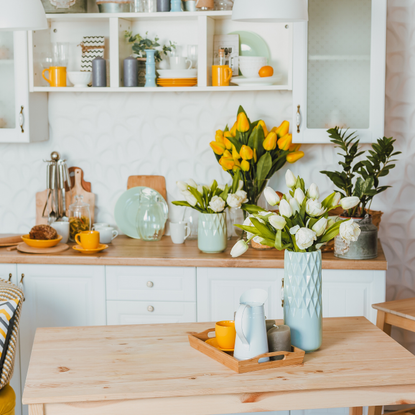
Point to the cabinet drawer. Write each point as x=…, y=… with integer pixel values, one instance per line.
x=151, y=283
x=146, y=312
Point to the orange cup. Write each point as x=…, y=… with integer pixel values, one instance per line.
x=221, y=75
x=225, y=334
x=88, y=239
x=57, y=75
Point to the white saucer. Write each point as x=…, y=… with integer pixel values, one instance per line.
x=267, y=81
x=177, y=73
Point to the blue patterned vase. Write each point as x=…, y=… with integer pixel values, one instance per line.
x=150, y=68
x=212, y=232
x=303, y=306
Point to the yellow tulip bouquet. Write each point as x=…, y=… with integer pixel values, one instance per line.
x=254, y=152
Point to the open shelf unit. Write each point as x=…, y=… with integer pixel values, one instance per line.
x=195, y=28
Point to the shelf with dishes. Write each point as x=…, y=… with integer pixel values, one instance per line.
x=194, y=36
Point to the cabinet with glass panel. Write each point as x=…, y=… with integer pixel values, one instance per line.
x=339, y=70
x=23, y=116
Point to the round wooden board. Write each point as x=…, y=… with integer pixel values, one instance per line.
x=30, y=250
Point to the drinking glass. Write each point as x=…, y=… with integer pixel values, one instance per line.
x=192, y=54
x=137, y=6
x=150, y=6
x=60, y=54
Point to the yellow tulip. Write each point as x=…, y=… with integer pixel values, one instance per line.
x=245, y=165
x=242, y=123
x=270, y=143
x=283, y=129
x=264, y=127
x=227, y=154
x=233, y=129
x=237, y=164
x=246, y=153
x=226, y=163
x=219, y=136
x=293, y=157
x=235, y=154
x=227, y=142
x=295, y=147
x=218, y=148
x=285, y=142
x=236, y=168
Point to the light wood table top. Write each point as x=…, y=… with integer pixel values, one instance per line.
x=152, y=369
x=401, y=308
x=127, y=251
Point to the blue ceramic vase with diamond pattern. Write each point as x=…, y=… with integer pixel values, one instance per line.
x=303, y=306
x=212, y=232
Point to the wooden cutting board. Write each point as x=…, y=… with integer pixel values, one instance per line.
x=22, y=247
x=10, y=240
x=157, y=183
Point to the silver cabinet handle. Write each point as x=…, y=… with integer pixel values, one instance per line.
x=282, y=293
x=150, y=308
x=21, y=118
x=298, y=119
x=150, y=284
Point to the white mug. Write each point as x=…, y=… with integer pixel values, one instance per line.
x=179, y=232
x=63, y=230
x=100, y=225
x=106, y=234
x=178, y=62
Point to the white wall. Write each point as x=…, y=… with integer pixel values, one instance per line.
x=112, y=136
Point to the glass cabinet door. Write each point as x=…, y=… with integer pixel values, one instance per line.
x=339, y=69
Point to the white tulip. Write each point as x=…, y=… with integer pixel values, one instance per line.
x=285, y=209
x=349, y=231
x=305, y=238
x=181, y=185
x=243, y=195
x=314, y=208
x=320, y=226
x=189, y=198
x=288, y=197
x=217, y=204
x=294, y=205
x=271, y=196
x=240, y=185
x=319, y=246
x=332, y=220
x=258, y=239
x=294, y=229
x=192, y=183
x=313, y=192
x=239, y=249
x=349, y=202
x=336, y=199
x=200, y=189
x=234, y=201
x=277, y=222
x=299, y=195
x=290, y=179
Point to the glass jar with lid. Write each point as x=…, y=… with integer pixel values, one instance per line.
x=79, y=217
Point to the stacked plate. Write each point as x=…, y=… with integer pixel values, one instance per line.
x=177, y=77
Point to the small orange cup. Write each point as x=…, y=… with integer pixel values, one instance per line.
x=221, y=75
x=88, y=239
x=57, y=75
x=225, y=334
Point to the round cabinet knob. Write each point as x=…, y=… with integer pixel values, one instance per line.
x=150, y=284
x=150, y=308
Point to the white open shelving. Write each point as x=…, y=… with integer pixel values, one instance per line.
x=183, y=28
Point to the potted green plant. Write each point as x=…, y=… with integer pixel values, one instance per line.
x=360, y=177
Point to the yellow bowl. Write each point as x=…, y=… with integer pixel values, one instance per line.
x=40, y=243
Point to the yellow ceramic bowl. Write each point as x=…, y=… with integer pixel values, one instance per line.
x=39, y=243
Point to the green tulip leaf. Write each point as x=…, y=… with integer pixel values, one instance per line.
x=263, y=167
x=265, y=232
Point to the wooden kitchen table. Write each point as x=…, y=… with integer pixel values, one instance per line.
x=151, y=369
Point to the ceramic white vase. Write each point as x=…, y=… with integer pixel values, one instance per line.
x=212, y=232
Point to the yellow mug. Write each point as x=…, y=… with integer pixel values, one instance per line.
x=225, y=334
x=87, y=239
x=221, y=75
x=57, y=75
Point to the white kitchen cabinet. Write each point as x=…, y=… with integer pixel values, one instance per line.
x=339, y=70
x=23, y=115
x=8, y=272
x=59, y=296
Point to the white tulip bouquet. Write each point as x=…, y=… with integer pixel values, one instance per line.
x=303, y=223
x=214, y=198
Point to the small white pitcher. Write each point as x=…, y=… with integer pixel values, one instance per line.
x=251, y=334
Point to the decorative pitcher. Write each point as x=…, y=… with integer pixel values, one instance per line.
x=151, y=218
x=251, y=334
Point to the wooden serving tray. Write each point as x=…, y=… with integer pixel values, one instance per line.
x=198, y=342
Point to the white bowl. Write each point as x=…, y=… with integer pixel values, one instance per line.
x=80, y=79
x=177, y=73
x=250, y=65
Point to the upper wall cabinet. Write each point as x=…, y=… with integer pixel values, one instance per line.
x=23, y=116
x=339, y=70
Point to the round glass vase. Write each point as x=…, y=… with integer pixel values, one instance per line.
x=212, y=232
x=303, y=303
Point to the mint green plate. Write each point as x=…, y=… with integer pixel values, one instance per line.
x=251, y=44
x=127, y=206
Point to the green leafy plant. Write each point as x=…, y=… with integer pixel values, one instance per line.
x=377, y=164
x=140, y=44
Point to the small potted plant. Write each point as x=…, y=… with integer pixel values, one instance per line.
x=360, y=177
x=211, y=203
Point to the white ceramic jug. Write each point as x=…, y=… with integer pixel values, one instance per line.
x=251, y=334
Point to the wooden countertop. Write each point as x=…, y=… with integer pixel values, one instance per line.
x=127, y=251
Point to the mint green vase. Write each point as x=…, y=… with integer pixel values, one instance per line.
x=212, y=232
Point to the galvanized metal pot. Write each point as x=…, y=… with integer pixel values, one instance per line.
x=64, y=6
x=366, y=247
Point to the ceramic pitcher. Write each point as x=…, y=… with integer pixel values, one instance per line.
x=251, y=333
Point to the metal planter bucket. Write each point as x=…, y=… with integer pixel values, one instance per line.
x=366, y=247
x=64, y=6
